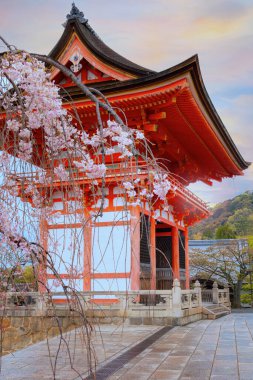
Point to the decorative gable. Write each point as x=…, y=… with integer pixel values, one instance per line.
x=85, y=54
x=82, y=68
x=80, y=60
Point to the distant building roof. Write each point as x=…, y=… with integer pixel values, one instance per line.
x=205, y=244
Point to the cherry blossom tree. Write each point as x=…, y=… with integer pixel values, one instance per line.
x=32, y=112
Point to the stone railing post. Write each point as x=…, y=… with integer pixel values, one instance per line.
x=215, y=293
x=123, y=301
x=197, y=289
x=176, y=297
x=226, y=290
x=40, y=304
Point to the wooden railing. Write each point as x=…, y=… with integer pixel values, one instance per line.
x=119, y=171
x=161, y=273
x=164, y=274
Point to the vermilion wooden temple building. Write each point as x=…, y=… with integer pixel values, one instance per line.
x=174, y=110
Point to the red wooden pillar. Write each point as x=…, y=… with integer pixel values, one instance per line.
x=42, y=268
x=175, y=253
x=87, y=254
x=152, y=253
x=135, y=248
x=187, y=270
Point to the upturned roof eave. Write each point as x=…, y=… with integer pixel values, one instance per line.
x=98, y=47
x=191, y=66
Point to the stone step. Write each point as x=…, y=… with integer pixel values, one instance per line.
x=213, y=306
x=215, y=311
x=218, y=309
x=218, y=315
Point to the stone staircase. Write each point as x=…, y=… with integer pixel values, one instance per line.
x=214, y=311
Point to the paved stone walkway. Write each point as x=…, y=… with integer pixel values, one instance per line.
x=215, y=350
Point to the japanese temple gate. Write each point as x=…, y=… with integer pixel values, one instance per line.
x=134, y=249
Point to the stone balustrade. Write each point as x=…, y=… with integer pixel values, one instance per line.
x=22, y=303
x=164, y=302
x=174, y=303
x=216, y=295
x=223, y=297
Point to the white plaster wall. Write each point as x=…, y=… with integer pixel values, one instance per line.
x=111, y=249
x=66, y=247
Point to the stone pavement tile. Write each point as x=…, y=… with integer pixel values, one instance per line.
x=226, y=357
x=246, y=366
x=199, y=365
x=201, y=359
x=181, y=351
x=245, y=358
x=225, y=363
x=206, y=353
x=174, y=363
x=195, y=377
x=245, y=350
x=133, y=376
x=224, y=371
x=154, y=355
x=206, y=346
x=147, y=366
x=226, y=352
x=227, y=344
x=224, y=377
x=148, y=363
x=163, y=348
x=246, y=375
x=165, y=375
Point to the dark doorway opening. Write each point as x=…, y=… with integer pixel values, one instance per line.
x=164, y=275
x=145, y=251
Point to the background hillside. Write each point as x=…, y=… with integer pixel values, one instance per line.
x=234, y=214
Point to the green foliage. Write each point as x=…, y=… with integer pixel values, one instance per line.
x=247, y=287
x=237, y=212
x=247, y=292
x=18, y=275
x=225, y=232
x=208, y=234
x=246, y=298
x=250, y=240
x=26, y=276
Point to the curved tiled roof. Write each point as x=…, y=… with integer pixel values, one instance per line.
x=190, y=66
x=145, y=77
x=87, y=35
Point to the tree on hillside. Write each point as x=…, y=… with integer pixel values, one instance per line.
x=242, y=221
x=208, y=234
x=228, y=263
x=225, y=232
x=237, y=212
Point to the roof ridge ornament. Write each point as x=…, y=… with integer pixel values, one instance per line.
x=75, y=14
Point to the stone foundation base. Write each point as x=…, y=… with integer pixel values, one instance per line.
x=19, y=330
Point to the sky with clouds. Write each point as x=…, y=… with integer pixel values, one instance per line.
x=158, y=34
